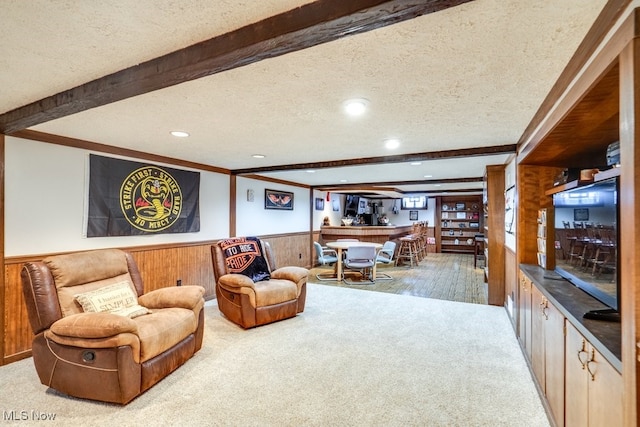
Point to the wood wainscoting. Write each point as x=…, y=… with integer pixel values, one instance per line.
x=160, y=266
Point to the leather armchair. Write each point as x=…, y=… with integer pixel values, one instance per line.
x=102, y=355
x=248, y=303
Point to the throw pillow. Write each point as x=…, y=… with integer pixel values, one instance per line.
x=118, y=298
x=243, y=255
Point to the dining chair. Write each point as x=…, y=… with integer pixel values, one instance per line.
x=325, y=256
x=385, y=257
x=362, y=259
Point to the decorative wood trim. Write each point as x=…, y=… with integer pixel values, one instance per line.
x=103, y=148
x=401, y=158
x=2, y=280
x=376, y=186
x=275, y=180
x=21, y=259
x=305, y=26
x=629, y=243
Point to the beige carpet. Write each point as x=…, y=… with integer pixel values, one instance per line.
x=352, y=358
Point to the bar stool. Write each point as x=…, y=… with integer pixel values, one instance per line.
x=408, y=250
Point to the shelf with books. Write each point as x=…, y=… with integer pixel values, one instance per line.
x=542, y=239
x=460, y=220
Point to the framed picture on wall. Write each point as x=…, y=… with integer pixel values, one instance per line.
x=336, y=205
x=581, y=214
x=413, y=215
x=281, y=200
x=319, y=204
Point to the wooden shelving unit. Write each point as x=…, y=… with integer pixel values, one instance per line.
x=574, y=131
x=542, y=236
x=460, y=219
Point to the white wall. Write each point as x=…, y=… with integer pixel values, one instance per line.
x=253, y=219
x=45, y=199
x=335, y=199
x=401, y=218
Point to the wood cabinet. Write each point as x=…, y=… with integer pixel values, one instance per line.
x=524, y=313
x=552, y=332
x=593, y=104
x=548, y=351
x=459, y=220
x=594, y=387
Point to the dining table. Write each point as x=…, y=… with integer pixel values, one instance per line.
x=341, y=246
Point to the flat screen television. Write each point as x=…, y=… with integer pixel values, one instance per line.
x=587, y=218
x=351, y=205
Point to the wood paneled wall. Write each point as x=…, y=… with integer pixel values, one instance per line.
x=291, y=249
x=160, y=266
x=533, y=181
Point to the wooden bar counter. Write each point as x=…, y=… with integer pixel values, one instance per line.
x=367, y=233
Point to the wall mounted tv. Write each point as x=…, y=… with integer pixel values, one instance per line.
x=587, y=218
x=351, y=205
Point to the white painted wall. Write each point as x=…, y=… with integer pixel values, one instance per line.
x=45, y=199
x=253, y=219
x=336, y=200
x=46, y=195
x=402, y=217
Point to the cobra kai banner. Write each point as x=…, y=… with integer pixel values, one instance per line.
x=129, y=198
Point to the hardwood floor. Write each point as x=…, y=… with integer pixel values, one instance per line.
x=442, y=276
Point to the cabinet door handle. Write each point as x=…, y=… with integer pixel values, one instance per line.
x=593, y=374
x=543, y=306
x=581, y=352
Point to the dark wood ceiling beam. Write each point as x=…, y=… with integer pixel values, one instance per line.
x=310, y=25
x=401, y=158
x=379, y=185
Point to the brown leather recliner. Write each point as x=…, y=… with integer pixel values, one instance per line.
x=100, y=355
x=248, y=303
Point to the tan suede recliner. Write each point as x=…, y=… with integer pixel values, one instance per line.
x=250, y=303
x=101, y=355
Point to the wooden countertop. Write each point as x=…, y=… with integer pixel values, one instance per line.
x=344, y=227
x=370, y=233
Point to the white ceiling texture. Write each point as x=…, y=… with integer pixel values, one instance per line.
x=469, y=76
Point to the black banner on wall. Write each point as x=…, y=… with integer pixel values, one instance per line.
x=130, y=198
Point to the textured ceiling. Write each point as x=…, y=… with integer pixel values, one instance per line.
x=466, y=77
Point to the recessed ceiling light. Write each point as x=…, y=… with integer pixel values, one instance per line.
x=343, y=180
x=392, y=144
x=258, y=156
x=415, y=163
x=428, y=176
x=436, y=185
x=180, y=133
x=310, y=171
x=356, y=107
